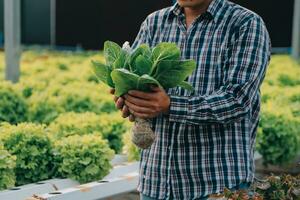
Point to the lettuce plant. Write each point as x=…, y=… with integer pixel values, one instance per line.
x=32, y=148
x=140, y=69
x=13, y=108
x=110, y=126
x=83, y=158
x=7, y=168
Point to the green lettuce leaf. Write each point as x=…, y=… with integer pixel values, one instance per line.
x=142, y=52
x=112, y=52
x=103, y=73
x=121, y=61
x=145, y=82
x=185, y=85
x=164, y=51
x=143, y=49
x=142, y=65
x=170, y=73
x=125, y=80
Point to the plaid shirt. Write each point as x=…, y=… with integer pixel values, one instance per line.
x=207, y=141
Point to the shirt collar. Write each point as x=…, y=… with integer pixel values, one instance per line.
x=175, y=10
x=214, y=9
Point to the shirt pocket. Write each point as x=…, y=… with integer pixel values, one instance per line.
x=209, y=74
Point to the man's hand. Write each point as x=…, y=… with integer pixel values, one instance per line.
x=147, y=105
x=119, y=103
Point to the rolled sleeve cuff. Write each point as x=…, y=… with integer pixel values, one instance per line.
x=178, y=109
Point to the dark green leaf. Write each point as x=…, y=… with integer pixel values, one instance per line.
x=103, y=73
x=146, y=81
x=120, y=62
x=143, y=50
x=111, y=52
x=164, y=51
x=186, y=85
x=142, y=65
x=170, y=73
x=125, y=80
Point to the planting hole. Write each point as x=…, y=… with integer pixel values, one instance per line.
x=15, y=188
x=103, y=181
x=55, y=193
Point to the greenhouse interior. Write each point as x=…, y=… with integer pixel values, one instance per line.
x=177, y=99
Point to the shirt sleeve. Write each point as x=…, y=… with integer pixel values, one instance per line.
x=248, y=57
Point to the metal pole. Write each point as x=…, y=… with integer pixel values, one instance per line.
x=52, y=22
x=12, y=39
x=296, y=31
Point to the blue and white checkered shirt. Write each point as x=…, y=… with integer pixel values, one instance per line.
x=207, y=141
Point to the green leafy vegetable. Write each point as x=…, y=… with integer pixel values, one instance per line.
x=13, y=107
x=140, y=60
x=32, y=148
x=7, y=168
x=103, y=73
x=142, y=65
x=125, y=80
x=138, y=70
x=165, y=51
x=84, y=158
x=112, y=52
x=121, y=61
x=186, y=85
x=110, y=126
x=170, y=73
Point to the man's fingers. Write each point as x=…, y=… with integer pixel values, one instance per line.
x=137, y=101
x=139, y=115
x=131, y=118
x=155, y=88
x=120, y=103
x=116, y=99
x=138, y=109
x=112, y=91
x=125, y=112
x=140, y=94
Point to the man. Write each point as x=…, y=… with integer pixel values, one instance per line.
x=205, y=139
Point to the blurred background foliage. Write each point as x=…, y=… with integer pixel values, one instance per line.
x=59, y=91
